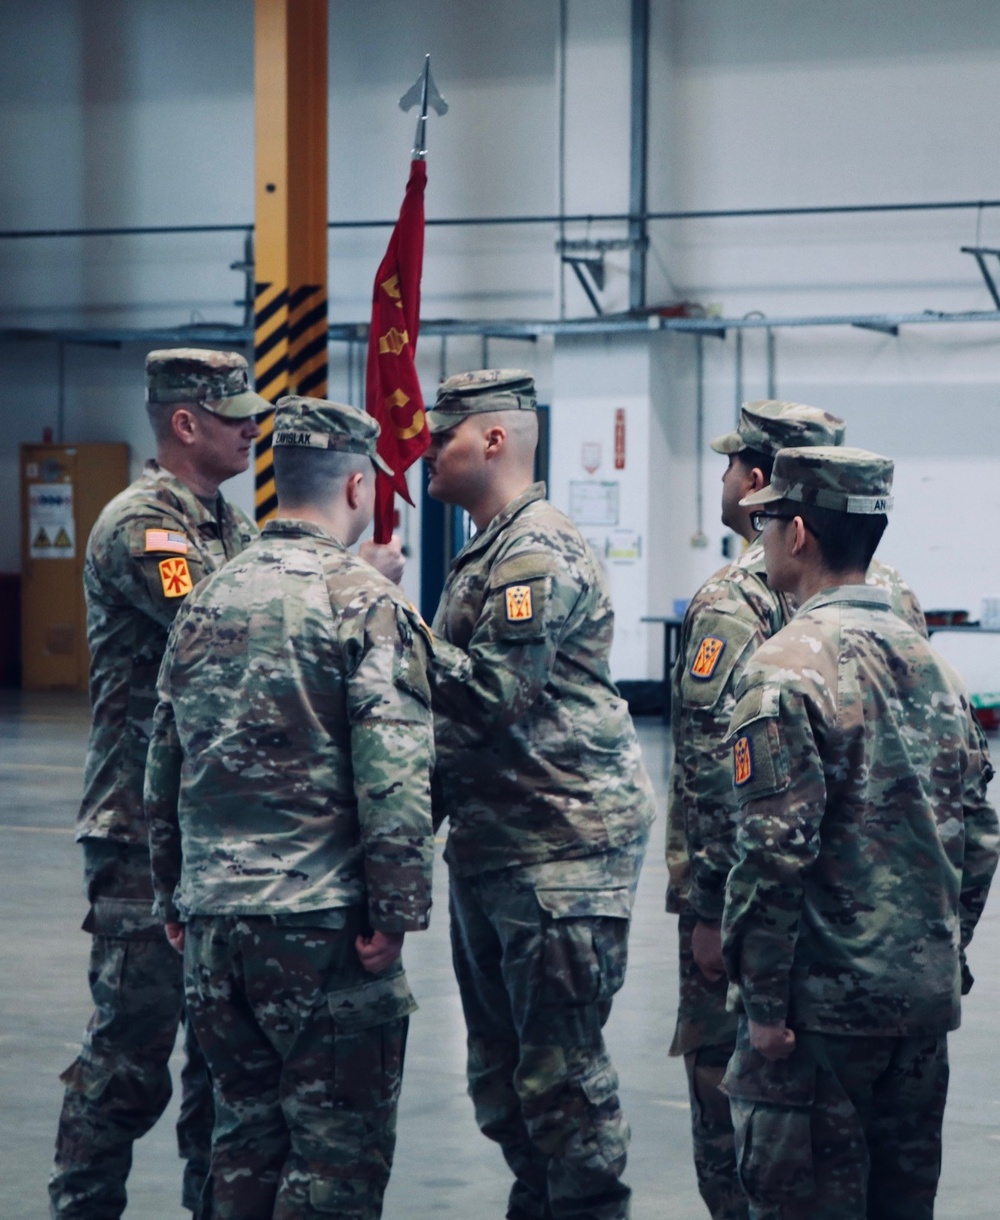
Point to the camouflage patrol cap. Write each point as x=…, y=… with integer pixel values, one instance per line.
x=838, y=477
x=217, y=381
x=768, y=424
x=478, y=392
x=314, y=423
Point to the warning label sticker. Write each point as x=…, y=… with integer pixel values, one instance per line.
x=51, y=532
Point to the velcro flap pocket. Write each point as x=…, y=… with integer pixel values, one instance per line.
x=721, y=640
x=377, y=1002
x=579, y=903
x=410, y=666
x=520, y=589
x=757, y=738
x=124, y=918
x=780, y=1082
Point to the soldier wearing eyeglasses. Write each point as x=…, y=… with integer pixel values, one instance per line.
x=728, y=619
x=866, y=847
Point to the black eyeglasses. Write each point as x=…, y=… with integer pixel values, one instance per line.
x=758, y=518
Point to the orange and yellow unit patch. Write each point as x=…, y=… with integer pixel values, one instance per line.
x=742, y=760
x=175, y=576
x=709, y=651
x=519, y=608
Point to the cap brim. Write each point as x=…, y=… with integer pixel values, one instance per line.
x=766, y=495
x=443, y=421
x=382, y=464
x=239, y=406
x=732, y=442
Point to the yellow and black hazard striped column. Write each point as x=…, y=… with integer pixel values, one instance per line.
x=270, y=352
x=307, y=340
x=290, y=323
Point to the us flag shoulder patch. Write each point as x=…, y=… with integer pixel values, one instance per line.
x=743, y=760
x=707, y=657
x=166, y=540
x=519, y=609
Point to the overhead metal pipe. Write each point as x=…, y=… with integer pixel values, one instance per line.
x=849, y=209
x=563, y=38
x=639, y=105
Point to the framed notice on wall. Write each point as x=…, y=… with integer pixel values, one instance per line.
x=593, y=502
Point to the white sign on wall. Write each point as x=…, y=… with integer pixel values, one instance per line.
x=51, y=532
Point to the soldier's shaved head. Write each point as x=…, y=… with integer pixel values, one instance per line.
x=305, y=476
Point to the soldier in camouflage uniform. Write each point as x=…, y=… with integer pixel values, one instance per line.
x=728, y=618
x=148, y=549
x=866, y=847
x=539, y=772
x=288, y=798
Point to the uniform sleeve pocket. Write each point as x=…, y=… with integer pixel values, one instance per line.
x=520, y=590
x=409, y=665
x=585, y=943
x=718, y=645
x=760, y=752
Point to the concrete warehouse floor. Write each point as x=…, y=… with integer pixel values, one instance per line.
x=444, y=1167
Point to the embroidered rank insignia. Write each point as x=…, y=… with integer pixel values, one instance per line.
x=166, y=540
x=519, y=604
x=743, y=760
x=709, y=651
x=175, y=577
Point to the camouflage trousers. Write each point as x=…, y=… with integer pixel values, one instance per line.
x=306, y=1054
x=712, y=1134
x=539, y=951
x=706, y=1036
x=120, y=1083
x=846, y=1128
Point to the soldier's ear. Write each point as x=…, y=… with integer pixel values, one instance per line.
x=756, y=479
x=184, y=426
x=352, y=488
x=800, y=535
x=495, y=438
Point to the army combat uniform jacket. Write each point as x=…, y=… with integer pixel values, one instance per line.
x=538, y=758
x=901, y=597
x=292, y=747
x=866, y=843
x=729, y=617
x=732, y=613
x=150, y=546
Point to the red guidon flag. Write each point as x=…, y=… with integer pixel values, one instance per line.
x=392, y=390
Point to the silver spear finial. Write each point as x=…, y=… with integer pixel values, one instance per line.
x=423, y=93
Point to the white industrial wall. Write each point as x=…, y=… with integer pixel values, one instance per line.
x=140, y=112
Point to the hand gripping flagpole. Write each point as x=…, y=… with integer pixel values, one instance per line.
x=392, y=388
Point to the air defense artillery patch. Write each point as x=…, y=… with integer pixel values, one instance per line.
x=707, y=657
x=519, y=608
x=742, y=761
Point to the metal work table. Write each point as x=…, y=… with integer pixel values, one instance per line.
x=671, y=647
